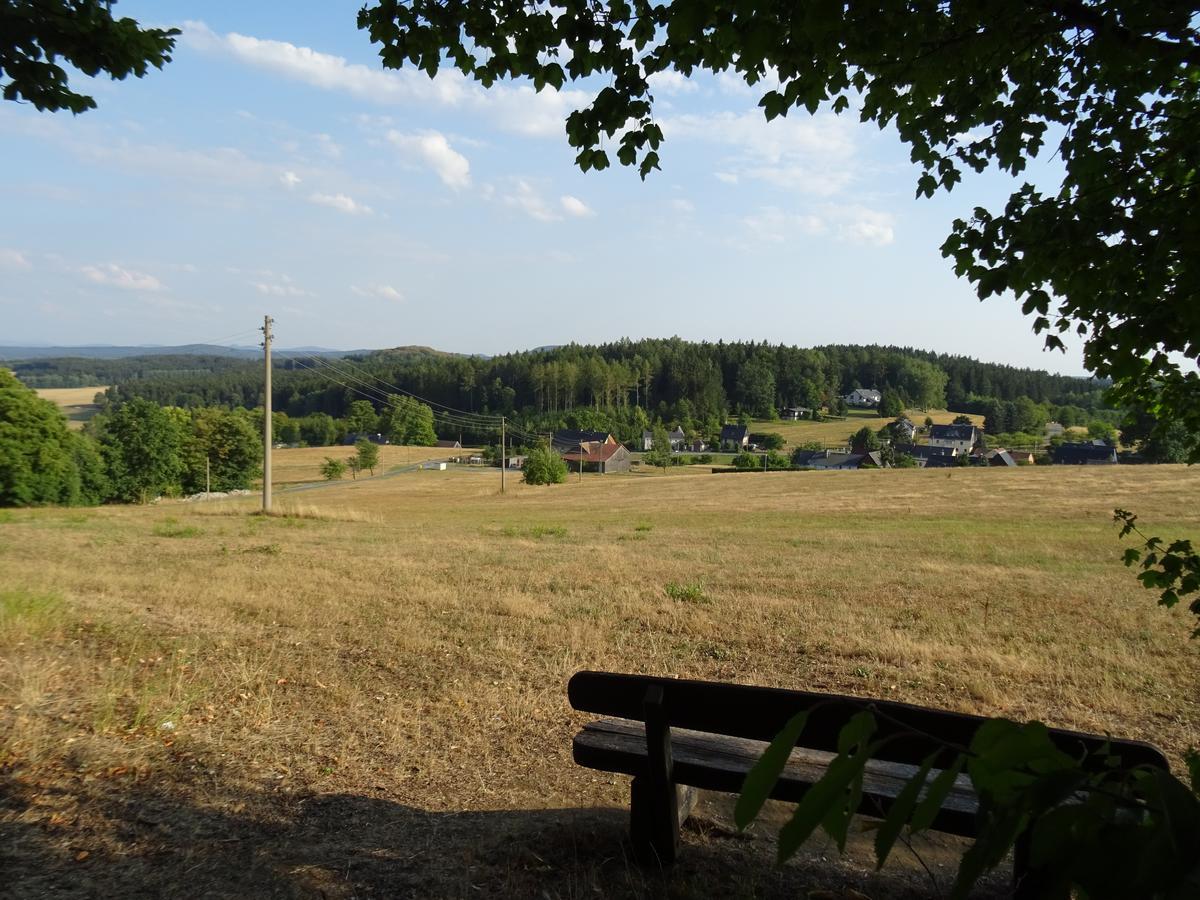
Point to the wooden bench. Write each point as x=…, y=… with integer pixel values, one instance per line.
x=674, y=735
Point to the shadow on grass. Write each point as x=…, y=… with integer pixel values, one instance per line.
x=76, y=835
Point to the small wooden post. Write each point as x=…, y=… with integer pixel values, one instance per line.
x=654, y=806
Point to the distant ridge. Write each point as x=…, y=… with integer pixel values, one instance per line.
x=104, y=351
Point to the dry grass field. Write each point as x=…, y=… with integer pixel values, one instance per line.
x=836, y=432
x=303, y=464
x=364, y=697
x=76, y=403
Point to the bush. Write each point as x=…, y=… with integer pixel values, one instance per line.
x=544, y=466
x=771, y=440
x=333, y=469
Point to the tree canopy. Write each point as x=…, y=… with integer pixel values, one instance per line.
x=36, y=34
x=1113, y=86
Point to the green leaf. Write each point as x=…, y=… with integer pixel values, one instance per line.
x=760, y=780
x=818, y=802
x=939, y=788
x=1192, y=758
x=900, y=812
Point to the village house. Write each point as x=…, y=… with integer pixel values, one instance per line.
x=834, y=459
x=676, y=438
x=863, y=397
x=959, y=437
x=735, y=437
x=570, y=439
x=1000, y=458
x=598, y=456
x=929, y=456
x=1095, y=453
x=449, y=445
x=904, y=429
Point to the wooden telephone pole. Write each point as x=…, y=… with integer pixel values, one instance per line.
x=268, y=428
x=503, y=463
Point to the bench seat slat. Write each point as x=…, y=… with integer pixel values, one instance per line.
x=720, y=763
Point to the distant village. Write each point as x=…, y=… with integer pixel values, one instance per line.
x=901, y=443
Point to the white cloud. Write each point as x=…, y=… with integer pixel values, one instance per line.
x=328, y=146
x=671, y=82
x=854, y=223
x=13, y=259
x=811, y=154
x=278, y=285
x=289, y=180
x=340, y=202
x=515, y=108
x=279, y=290
x=861, y=225
x=127, y=279
x=432, y=148
x=575, y=207
x=382, y=291
x=326, y=71
x=774, y=226
x=526, y=198
x=684, y=206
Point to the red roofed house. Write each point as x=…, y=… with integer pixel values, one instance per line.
x=596, y=456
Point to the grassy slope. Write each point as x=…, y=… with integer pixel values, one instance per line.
x=353, y=688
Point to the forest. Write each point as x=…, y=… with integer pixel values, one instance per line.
x=622, y=386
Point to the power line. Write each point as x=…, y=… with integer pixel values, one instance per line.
x=346, y=364
x=447, y=414
x=374, y=394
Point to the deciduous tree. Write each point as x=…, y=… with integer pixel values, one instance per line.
x=544, y=466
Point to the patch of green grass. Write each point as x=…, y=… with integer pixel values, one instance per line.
x=6, y=516
x=31, y=613
x=643, y=526
x=170, y=528
x=688, y=593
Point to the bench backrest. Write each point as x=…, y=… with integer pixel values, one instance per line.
x=760, y=713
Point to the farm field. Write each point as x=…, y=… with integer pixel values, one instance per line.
x=365, y=695
x=76, y=403
x=835, y=432
x=303, y=464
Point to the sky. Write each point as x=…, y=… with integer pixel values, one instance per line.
x=275, y=167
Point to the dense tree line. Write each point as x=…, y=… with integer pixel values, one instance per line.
x=668, y=380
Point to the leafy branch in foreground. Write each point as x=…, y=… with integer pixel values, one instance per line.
x=36, y=34
x=1087, y=824
x=1173, y=568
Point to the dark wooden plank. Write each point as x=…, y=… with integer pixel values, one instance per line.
x=759, y=713
x=720, y=763
x=653, y=802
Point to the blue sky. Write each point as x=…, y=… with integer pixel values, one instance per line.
x=274, y=166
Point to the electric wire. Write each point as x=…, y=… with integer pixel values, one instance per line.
x=345, y=364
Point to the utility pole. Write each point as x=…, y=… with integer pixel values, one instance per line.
x=207, y=475
x=267, y=424
x=503, y=464
x=581, y=462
